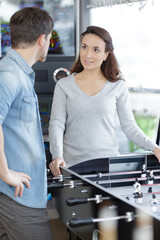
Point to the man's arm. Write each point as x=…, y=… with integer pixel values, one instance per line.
x=15, y=179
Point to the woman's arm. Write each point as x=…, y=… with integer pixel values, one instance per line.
x=128, y=123
x=55, y=166
x=57, y=128
x=156, y=151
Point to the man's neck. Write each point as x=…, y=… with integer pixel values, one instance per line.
x=28, y=54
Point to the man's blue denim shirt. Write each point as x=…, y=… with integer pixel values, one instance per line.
x=20, y=120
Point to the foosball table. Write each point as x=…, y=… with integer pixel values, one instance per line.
x=110, y=198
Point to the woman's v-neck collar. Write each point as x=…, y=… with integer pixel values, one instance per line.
x=90, y=96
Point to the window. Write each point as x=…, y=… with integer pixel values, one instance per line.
x=134, y=28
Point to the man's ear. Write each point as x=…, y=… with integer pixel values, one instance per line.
x=41, y=40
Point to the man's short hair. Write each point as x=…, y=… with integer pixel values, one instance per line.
x=27, y=24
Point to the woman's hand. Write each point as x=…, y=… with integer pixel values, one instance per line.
x=55, y=166
x=17, y=180
x=157, y=153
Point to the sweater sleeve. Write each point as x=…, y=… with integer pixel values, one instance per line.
x=57, y=122
x=128, y=123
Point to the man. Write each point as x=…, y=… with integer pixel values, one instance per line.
x=23, y=185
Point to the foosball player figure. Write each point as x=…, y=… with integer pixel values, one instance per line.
x=144, y=171
x=150, y=177
x=150, y=190
x=138, y=195
x=154, y=202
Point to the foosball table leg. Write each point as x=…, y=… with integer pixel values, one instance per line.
x=72, y=236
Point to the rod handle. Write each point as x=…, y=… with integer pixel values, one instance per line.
x=53, y=185
x=77, y=222
x=76, y=201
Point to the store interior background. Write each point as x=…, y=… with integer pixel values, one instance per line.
x=134, y=27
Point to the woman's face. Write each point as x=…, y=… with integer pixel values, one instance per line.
x=92, y=52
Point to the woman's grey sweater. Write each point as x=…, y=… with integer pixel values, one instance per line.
x=83, y=127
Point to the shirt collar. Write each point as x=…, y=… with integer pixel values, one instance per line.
x=22, y=63
x=20, y=60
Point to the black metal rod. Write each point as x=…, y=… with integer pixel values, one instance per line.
x=125, y=180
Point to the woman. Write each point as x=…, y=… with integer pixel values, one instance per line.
x=85, y=105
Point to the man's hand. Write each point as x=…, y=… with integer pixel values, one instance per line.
x=17, y=180
x=55, y=166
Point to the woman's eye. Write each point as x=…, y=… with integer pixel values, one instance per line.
x=96, y=50
x=83, y=47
